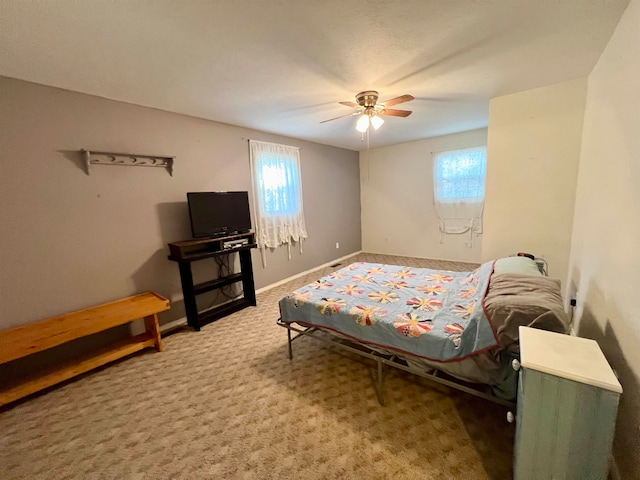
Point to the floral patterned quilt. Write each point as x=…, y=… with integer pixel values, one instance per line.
x=433, y=314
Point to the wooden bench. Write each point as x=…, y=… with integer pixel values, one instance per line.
x=25, y=340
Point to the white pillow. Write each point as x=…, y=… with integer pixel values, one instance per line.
x=521, y=265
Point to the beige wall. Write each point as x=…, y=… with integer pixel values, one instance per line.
x=69, y=240
x=398, y=214
x=605, y=247
x=533, y=151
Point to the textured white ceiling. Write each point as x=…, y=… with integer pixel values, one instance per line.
x=281, y=66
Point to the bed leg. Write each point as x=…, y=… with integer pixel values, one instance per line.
x=380, y=384
x=289, y=339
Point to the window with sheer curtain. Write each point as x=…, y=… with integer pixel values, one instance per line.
x=277, y=193
x=459, y=177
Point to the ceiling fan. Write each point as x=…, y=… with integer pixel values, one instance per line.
x=370, y=111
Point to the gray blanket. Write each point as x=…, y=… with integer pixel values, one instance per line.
x=513, y=300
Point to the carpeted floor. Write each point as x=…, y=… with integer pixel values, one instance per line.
x=226, y=403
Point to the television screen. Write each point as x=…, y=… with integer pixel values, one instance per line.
x=218, y=213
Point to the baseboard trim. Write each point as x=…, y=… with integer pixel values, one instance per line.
x=425, y=258
x=306, y=272
x=170, y=326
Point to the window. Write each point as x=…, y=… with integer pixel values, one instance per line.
x=460, y=175
x=276, y=198
x=459, y=189
x=277, y=193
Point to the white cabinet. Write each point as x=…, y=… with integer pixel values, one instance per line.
x=567, y=406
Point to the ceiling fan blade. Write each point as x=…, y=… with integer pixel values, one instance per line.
x=395, y=113
x=349, y=104
x=397, y=100
x=341, y=116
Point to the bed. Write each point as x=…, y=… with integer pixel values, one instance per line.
x=457, y=328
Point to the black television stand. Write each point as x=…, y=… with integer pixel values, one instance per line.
x=189, y=251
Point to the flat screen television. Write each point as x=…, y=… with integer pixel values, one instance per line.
x=215, y=214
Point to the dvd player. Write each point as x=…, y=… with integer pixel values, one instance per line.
x=235, y=243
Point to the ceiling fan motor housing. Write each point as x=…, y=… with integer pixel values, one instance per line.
x=367, y=98
x=369, y=108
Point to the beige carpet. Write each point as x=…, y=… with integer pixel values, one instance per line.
x=227, y=403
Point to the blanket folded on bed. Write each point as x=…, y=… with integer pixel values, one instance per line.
x=433, y=314
x=513, y=300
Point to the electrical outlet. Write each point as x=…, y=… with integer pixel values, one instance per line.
x=337, y=245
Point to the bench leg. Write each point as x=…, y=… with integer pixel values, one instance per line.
x=152, y=327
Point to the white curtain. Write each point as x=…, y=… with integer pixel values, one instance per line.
x=459, y=177
x=277, y=193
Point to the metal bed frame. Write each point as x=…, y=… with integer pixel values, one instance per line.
x=382, y=360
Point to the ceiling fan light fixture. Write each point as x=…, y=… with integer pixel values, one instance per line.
x=369, y=111
x=376, y=121
x=363, y=123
